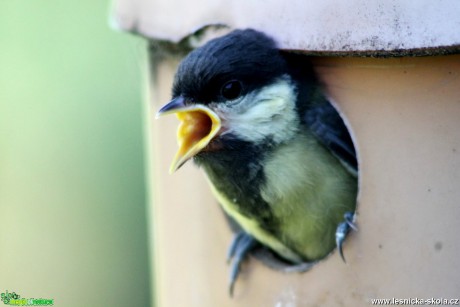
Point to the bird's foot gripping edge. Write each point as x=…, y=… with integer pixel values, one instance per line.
x=241, y=246
x=343, y=229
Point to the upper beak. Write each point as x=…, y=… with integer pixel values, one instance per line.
x=198, y=126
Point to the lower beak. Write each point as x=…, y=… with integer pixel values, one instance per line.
x=198, y=126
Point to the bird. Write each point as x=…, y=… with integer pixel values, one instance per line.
x=277, y=154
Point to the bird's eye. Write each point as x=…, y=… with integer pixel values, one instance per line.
x=232, y=89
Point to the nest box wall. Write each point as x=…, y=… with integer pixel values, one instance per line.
x=403, y=112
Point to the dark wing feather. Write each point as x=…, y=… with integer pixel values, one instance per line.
x=319, y=114
x=328, y=127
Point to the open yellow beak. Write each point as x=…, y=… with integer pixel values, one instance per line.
x=198, y=126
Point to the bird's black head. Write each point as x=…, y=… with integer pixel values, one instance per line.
x=234, y=96
x=228, y=67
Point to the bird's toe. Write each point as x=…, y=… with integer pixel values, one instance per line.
x=240, y=247
x=342, y=230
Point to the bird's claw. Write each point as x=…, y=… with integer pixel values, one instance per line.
x=241, y=245
x=342, y=230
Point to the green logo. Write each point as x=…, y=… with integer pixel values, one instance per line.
x=14, y=299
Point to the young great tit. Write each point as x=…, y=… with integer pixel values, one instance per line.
x=278, y=156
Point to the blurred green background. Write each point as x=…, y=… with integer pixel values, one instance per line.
x=72, y=189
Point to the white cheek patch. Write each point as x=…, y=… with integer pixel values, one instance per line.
x=267, y=113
